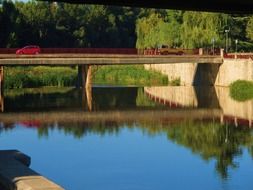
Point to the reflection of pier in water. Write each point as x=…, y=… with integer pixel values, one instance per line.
x=238, y=113
x=1, y=102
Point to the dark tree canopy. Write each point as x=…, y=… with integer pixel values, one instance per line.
x=50, y=24
x=66, y=25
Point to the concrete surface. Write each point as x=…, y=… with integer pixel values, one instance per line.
x=100, y=59
x=15, y=173
x=207, y=73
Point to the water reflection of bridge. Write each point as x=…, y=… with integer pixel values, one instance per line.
x=238, y=113
x=120, y=105
x=168, y=116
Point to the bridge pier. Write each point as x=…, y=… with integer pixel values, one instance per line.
x=1, y=78
x=1, y=88
x=84, y=81
x=84, y=76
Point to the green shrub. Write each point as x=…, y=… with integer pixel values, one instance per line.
x=241, y=90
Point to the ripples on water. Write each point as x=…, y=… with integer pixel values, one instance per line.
x=132, y=137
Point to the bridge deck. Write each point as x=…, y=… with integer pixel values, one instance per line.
x=102, y=59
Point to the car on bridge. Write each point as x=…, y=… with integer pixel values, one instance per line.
x=166, y=50
x=31, y=49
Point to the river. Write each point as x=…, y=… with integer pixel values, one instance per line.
x=132, y=137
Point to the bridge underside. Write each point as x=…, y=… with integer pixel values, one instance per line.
x=227, y=6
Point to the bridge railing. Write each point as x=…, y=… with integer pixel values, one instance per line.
x=91, y=50
x=127, y=51
x=8, y=50
x=205, y=51
x=155, y=51
x=239, y=56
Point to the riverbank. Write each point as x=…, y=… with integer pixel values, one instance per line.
x=128, y=75
x=24, y=77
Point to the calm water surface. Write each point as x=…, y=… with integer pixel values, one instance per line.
x=128, y=148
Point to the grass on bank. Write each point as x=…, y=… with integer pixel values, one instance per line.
x=241, y=90
x=27, y=77
x=128, y=75
x=24, y=77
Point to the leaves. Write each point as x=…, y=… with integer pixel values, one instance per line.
x=66, y=25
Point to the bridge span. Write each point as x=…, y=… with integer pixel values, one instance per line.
x=102, y=59
x=85, y=61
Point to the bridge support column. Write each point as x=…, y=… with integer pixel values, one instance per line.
x=1, y=77
x=84, y=76
x=1, y=88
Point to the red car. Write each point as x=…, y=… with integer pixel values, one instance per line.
x=28, y=50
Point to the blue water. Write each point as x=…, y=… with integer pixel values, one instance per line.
x=136, y=155
x=130, y=159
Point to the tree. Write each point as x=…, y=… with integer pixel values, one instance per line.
x=199, y=29
x=8, y=18
x=249, y=28
x=147, y=31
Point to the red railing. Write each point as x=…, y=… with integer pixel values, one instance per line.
x=239, y=56
x=91, y=50
x=8, y=50
x=78, y=50
x=153, y=51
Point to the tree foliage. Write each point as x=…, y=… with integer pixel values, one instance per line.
x=66, y=25
x=200, y=29
x=249, y=28
x=70, y=25
x=189, y=29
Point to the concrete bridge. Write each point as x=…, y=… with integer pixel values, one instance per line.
x=102, y=59
x=85, y=61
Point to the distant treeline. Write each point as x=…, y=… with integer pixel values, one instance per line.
x=68, y=25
